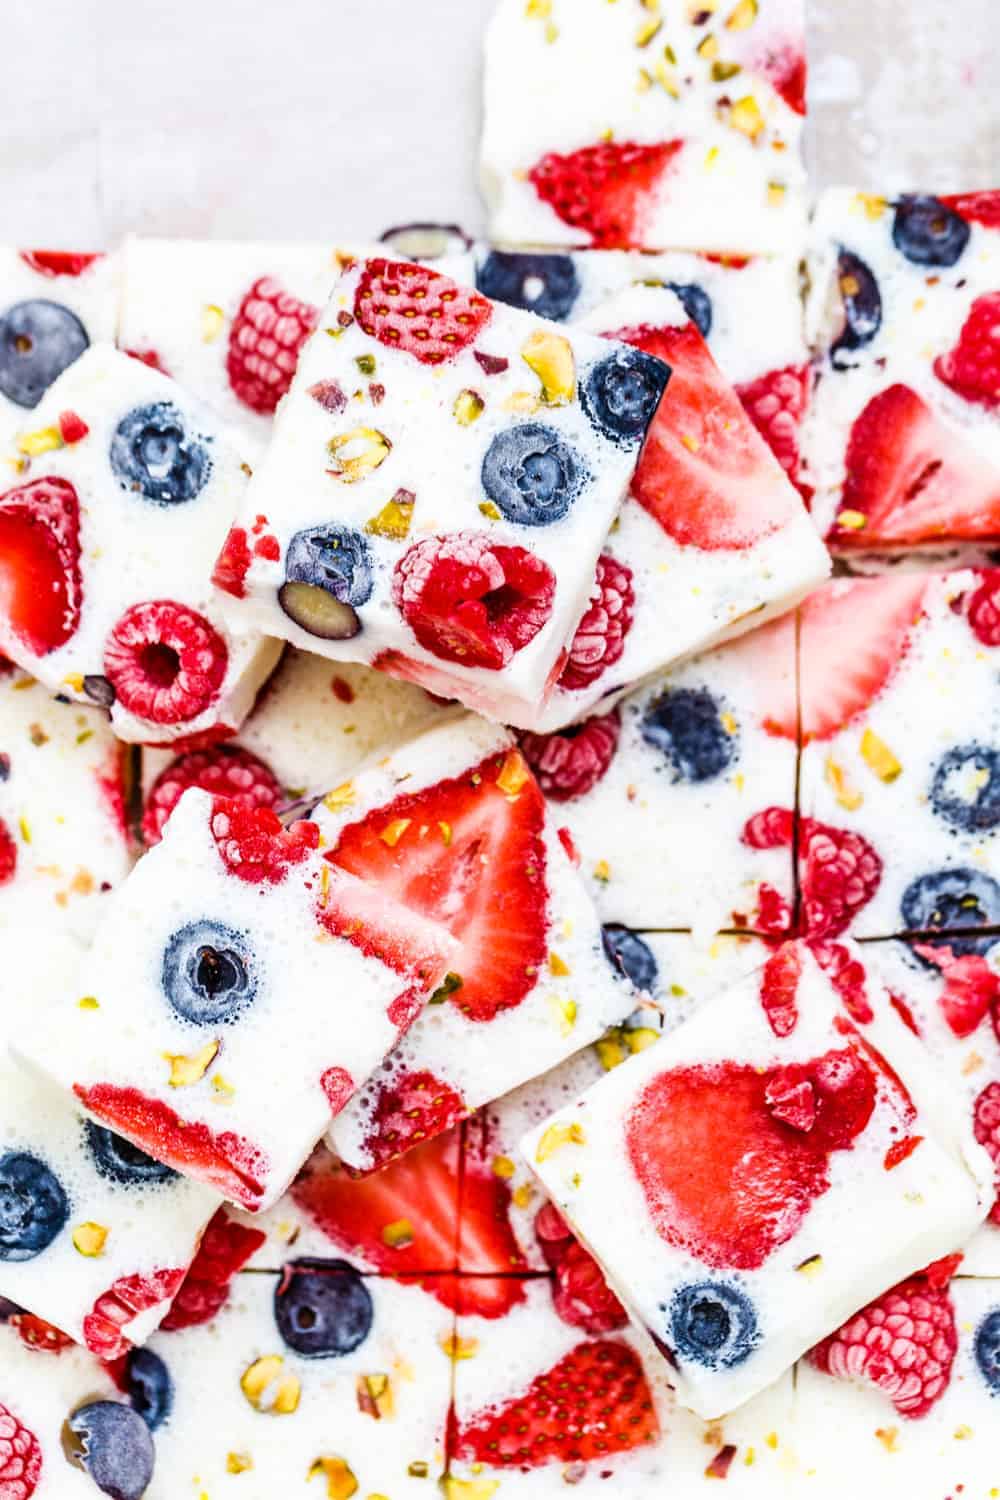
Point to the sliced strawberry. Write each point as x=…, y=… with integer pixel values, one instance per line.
x=37, y=1334
x=468, y=853
x=59, y=262
x=607, y=192
x=491, y=1297
x=853, y=635
x=41, y=588
x=124, y=1300
x=8, y=854
x=705, y=474
x=593, y=1404
x=410, y=1109
x=418, y=310
x=225, y=1248
x=971, y=989
x=910, y=479
x=487, y=1244
x=785, y=69
x=233, y=564
x=972, y=368
x=976, y=208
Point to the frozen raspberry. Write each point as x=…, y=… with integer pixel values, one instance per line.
x=124, y=1300
x=774, y=914
x=903, y=1343
x=225, y=772
x=59, y=262
x=983, y=611
x=839, y=872
x=972, y=368
x=581, y=1296
x=267, y=333
x=779, y=989
x=776, y=404
x=165, y=661
x=418, y=310
x=847, y=976
x=37, y=1334
x=771, y=829
x=469, y=601
x=600, y=636
x=233, y=564
x=20, y=1458
x=254, y=845
x=971, y=988
x=8, y=854
x=225, y=1248
x=986, y=1122
x=572, y=762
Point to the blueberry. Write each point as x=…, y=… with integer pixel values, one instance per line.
x=208, y=973
x=38, y=340
x=328, y=576
x=532, y=475
x=987, y=1348
x=959, y=794
x=862, y=306
x=114, y=1446
x=154, y=455
x=621, y=393
x=713, y=1323
x=426, y=240
x=33, y=1206
x=629, y=955
x=948, y=899
x=150, y=1388
x=322, y=1308
x=696, y=303
x=927, y=232
x=544, y=284
x=686, y=725
x=119, y=1161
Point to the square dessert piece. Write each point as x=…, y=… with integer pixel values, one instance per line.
x=713, y=538
x=900, y=773
x=680, y=799
x=63, y=786
x=440, y=481
x=454, y=826
x=743, y=1150
x=238, y=992
x=225, y=318
x=124, y=489
x=627, y=127
x=903, y=441
x=550, y=1393
x=53, y=305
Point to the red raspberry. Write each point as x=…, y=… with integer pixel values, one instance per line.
x=8, y=854
x=418, y=310
x=20, y=1458
x=983, y=612
x=225, y=772
x=165, y=661
x=776, y=404
x=986, y=1123
x=569, y=764
x=773, y=828
x=266, y=336
x=847, y=975
x=233, y=564
x=253, y=844
x=580, y=1294
x=225, y=1248
x=971, y=989
x=779, y=986
x=903, y=1343
x=469, y=601
x=59, y=262
x=972, y=368
x=839, y=873
x=600, y=635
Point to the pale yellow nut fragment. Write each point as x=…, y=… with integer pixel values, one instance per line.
x=213, y=320
x=538, y=9
x=445, y=831
x=468, y=1489
x=558, y=966
x=398, y=1234
x=89, y=1002
x=513, y=773
x=708, y=46
x=357, y=453
x=563, y=1012
x=74, y=682
x=610, y=1051
x=393, y=832
x=641, y=1037
x=729, y=723
x=889, y=1438
x=647, y=31
x=489, y=510
x=522, y=403
x=963, y=1431
x=90, y=1238
x=523, y=1195
x=185, y=1071
x=42, y=440
x=503, y=1167
x=340, y=1481
x=776, y=193
x=872, y=205
x=343, y=795
x=394, y=519
x=374, y=1396
x=743, y=16
x=852, y=520
x=878, y=757
x=551, y=357
x=457, y=1348
x=238, y=1463
x=265, y=1376
x=602, y=871
x=811, y=1267
x=836, y=777
x=745, y=116
x=556, y=1137
x=469, y=407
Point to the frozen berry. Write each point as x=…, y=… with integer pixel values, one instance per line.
x=255, y=846
x=839, y=873
x=426, y=240
x=114, y=1446
x=712, y=1323
x=621, y=393
x=688, y=726
x=328, y=577
x=8, y=854
x=631, y=955
x=38, y=340
x=154, y=454
x=20, y=1458
x=150, y=1388
x=54, y=263
x=696, y=303
x=986, y=1127
x=532, y=475
x=225, y=771
x=544, y=284
x=987, y=1347
x=983, y=610
x=119, y=1161
x=41, y=584
x=323, y=1308
x=208, y=973
x=928, y=232
x=965, y=790
x=600, y=636
x=948, y=899
x=33, y=1206
x=776, y=404
x=417, y=310
x=581, y=1295
x=861, y=302
x=571, y=762
x=972, y=368
x=165, y=662
x=265, y=338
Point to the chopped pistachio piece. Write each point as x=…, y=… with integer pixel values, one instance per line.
x=357, y=453
x=878, y=757
x=394, y=519
x=551, y=357
x=186, y=1071
x=90, y=1238
x=340, y=1481
x=556, y=1137
x=265, y=1376
x=469, y=407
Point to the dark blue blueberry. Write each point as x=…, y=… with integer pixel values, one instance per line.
x=322, y=1308
x=862, y=307
x=696, y=303
x=154, y=455
x=949, y=899
x=712, y=1323
x=328, y=576
x=38, y=340
x=426, y=240
x=119, y=1161
x=958, y=773
x=629, y=955
x=987, y=1347
x=532, y=475
x=927, y=232
x=114, y=1446
x=208, y=973
x=621, y=393
x=544, y=284
x=33, y=1206
x=686, y=725
x=150, y=1388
